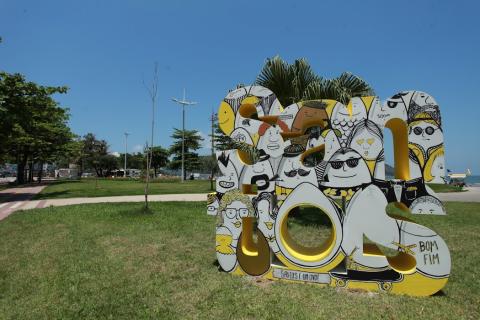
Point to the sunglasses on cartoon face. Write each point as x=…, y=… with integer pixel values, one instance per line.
x=419, y=130
x=338, y=164
x=293, y=173
x=233, y=212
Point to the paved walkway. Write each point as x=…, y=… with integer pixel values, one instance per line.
x=472, y=195
x=16, y=198
x=19, y=199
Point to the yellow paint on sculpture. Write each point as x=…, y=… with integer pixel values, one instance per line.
x=226, y=118
x=422, y=264
x=330, y=105
x=224, y=244
x=419, y=285
x=367, y=101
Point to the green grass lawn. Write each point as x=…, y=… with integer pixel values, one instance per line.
x=113, y=261
x=110, y=187
x=438, y=187
x=120, y=187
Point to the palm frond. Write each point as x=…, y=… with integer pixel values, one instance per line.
x=251, y=151
x=277, y=76
x=303, y=77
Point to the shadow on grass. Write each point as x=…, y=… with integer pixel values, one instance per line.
x=440, y=293
x=138, y=211
x=48, y=195
x=12, y=196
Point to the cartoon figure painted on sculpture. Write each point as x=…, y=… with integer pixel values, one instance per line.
x=347, y=141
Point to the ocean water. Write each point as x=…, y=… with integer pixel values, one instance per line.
x=473, y=181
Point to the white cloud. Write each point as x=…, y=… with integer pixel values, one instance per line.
x=115, y=153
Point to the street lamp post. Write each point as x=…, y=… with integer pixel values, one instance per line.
x=125, y=164
x=184, y=103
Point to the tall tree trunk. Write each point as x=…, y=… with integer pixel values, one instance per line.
x=40, y=173
x=147, y=179
x=21, y=171
x=30, y=172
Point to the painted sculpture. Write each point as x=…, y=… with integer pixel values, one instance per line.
x=352, y=170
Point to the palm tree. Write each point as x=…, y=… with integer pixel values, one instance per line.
x=296, y=82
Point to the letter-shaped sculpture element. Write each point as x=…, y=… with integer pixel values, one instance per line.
x=287, y=174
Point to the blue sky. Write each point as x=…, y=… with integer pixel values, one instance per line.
x=103, y=50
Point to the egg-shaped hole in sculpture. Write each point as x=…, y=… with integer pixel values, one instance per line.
x=308, y=233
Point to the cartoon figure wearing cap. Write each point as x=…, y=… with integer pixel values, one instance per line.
x=312, y=113
x=292, y=172
x=424, y=124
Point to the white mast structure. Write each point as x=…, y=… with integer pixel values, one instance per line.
x=125, y=164
x=184, y=102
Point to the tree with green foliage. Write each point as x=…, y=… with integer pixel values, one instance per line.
x=159, y=158
x=296, y=82
x=134, y=160
x=221, y=140
x=192, y=143
x=33, y=127
x=95, y=156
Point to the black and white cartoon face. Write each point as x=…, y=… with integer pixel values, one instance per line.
x=241, y=135
x=288, y=114
x=260, y=173
x=266, y=217
x=367, y=145
x=366, y=139
x=427, y=205
x=271, y=140
x=395, y=107
x=212, y=204
x=344, y=121
x=230, y=177
x=315, y=141
x=332, y=144
x=291, y=171
x=346, y=168
x=425, y=133
x=423, y=99
x=232, y=217
x=434, y=171
x=438, y=170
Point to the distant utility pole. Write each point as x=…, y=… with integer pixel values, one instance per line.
x=125, y=166
x=212, y=119
x=184, y=103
